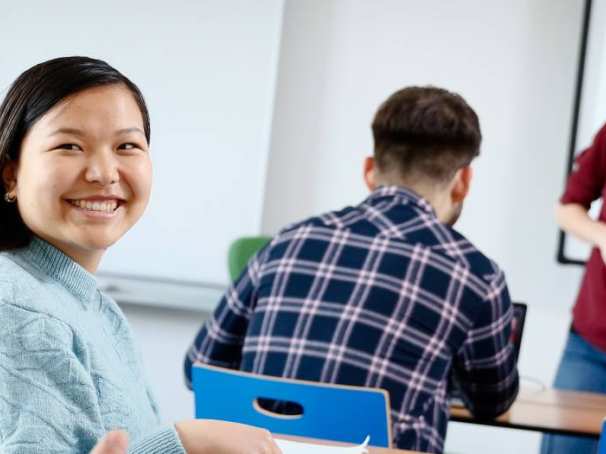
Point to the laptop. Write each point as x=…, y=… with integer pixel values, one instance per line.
x=517, y=329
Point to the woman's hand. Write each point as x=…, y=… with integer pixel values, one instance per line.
x=207, y=436
x=115, y=442
x=575, y=220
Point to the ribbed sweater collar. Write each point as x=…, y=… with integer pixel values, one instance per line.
x=61, y=268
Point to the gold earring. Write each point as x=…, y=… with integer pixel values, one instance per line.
x=10, y=198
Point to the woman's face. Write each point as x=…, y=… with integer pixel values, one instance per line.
x=84, y=173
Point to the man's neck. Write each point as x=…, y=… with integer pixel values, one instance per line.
x=435, y=195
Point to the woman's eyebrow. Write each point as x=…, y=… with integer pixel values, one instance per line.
x=76, y=132
x=129, y=130
x=79, y=132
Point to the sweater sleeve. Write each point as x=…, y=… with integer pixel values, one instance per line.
x=48, y=402
x=164, y=440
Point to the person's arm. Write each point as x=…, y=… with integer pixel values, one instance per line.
x=219, y=341
x=47, y=399
x=574, y=219
x=485, y=366
x=48, y=402
x=207, y=436
x=585, y=184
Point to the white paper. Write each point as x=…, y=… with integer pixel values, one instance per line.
x=297, y=447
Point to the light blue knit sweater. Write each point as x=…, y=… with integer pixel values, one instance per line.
x=69, y=371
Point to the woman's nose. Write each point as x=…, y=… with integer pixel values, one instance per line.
x=102, y=169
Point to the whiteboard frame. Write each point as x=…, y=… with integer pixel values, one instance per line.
x=563, y=237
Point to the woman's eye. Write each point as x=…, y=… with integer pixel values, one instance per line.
x=69, y=147
x=129, y=147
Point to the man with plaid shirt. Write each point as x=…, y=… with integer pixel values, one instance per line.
x=386, y=293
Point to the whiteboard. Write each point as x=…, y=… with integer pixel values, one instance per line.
x=207, y=70
x=592, y=114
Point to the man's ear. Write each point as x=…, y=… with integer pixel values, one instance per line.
x=370, y=173
x=9, y=176
x=461, y=184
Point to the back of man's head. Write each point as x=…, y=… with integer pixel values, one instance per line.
x=423, y=135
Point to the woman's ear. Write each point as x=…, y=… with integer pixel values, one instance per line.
x=370, y=173
x=9, y=176
x=461, y=184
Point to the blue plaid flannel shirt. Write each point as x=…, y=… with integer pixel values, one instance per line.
x=381, y=295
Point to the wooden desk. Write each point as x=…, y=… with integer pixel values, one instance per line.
x=371, y=449
x=549, y=410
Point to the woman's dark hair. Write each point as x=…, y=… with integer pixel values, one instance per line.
x=425, y=132
x=32, y=95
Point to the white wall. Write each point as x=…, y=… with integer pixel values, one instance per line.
x=592, y=113
x=207, y=69
x=164, y=335
x=515, y=63
x=593, y=99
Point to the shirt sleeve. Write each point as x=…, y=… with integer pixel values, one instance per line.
x=485, y=366
x=586, y=180
x=48, y=403
x=219, y=341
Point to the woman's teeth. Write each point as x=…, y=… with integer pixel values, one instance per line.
x=108, y=206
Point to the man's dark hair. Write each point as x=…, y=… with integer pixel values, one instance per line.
x=425, y=133
x=33, y=94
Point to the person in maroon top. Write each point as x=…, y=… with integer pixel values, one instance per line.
x=583, y=364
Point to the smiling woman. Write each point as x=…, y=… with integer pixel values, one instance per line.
x=76, y=176
x=60, y=99
x=83, y=177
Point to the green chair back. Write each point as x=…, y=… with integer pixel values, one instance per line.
x=241, y=251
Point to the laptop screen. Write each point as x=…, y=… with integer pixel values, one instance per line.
x=517, y=327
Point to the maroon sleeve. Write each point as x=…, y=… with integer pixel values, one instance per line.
x=587, y=178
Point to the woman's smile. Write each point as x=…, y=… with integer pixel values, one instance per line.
x=97, y=207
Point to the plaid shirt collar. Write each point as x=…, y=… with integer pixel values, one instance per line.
x=405, y=195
